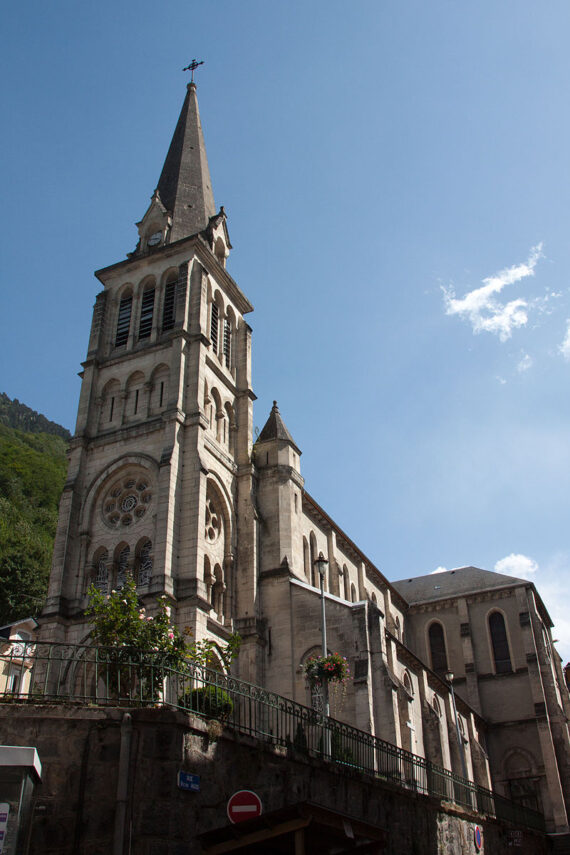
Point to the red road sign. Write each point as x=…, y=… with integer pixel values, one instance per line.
x=245, y=804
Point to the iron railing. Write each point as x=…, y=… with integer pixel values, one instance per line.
x=53, y=672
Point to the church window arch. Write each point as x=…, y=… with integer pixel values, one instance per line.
x=227, y=344
x=353, y=593
x=208, y=579
x=499, y=642
x=144, y=562
x=100, y=570
x=159, y=388
x=147, y=309
x=110, y=400
x=217, y=550
x=127, y=499
x=124, y=318
x=122, y=564
x=437, y=648
x=220, y=251
x=313, y=556
x=216, y=327
x=374, y=599
x=306, y=560
x=169, y=301
x=231, y=427
x=218, y=414
x=397, y=628
x=218, y=593
x=345, y=582
x=135, y=403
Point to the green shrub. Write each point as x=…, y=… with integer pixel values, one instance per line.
x=210, y=701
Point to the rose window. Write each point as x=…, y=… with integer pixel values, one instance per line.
x=213, y=522
x=126, y=502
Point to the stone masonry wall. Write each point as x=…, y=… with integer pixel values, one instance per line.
x=80, y=751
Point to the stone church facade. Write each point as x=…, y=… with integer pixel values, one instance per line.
x=165, y=483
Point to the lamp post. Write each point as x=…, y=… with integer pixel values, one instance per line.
x=449, y=679
x=321, y=565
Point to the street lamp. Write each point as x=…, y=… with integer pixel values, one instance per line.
x=321, y=566
x=449, y=679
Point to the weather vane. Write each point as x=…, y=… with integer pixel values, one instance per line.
x=192, y=67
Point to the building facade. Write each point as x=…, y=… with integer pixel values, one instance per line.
x=166, y=484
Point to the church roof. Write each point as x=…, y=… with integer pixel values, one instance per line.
x=453, y=583
x=185, y=186
x=275, y=428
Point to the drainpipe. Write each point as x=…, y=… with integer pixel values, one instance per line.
x=123, y=784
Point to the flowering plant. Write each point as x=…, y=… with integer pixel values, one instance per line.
x=146, y=640
x=327, y=669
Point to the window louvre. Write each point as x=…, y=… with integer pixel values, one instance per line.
x=227, y=342
x=214, y=327
x=169, y=309
x=124, y=321
x=147, y=310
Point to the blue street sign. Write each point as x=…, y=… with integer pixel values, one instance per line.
x=186, y=781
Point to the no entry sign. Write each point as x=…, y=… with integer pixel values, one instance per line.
x=245, y=804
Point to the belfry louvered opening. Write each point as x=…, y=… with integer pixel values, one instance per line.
x=124, y=320
x=147, y=311
x=214, y=327
x=169, y=308
x=227, y=342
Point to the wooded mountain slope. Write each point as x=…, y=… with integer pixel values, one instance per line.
x=32, y=474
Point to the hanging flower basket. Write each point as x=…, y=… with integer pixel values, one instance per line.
x=327, y=669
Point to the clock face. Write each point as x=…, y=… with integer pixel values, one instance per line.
x=155, y=239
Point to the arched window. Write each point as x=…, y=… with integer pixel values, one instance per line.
x=345, y=582
x=110, y=405
x=124, y=320
x=313, y=555
x=122, y=561
x=499, y=643
x=147, y=312
x=136, y=405
x=437, y=649
x=353, y=593
x=306, y=559
x=227, y=343
x=214, y=326
x=144, y=573
x=101, y=570
x=159, y=388
x=169, y=305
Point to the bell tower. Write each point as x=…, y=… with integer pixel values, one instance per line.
x=160, y=476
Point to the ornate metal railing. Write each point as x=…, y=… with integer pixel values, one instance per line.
x=51, y=672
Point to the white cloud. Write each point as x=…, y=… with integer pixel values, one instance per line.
x=525, y=363
x=501, y=380
x=484, y=311
x=517, y=565
x=438, y=570
x=565, y=346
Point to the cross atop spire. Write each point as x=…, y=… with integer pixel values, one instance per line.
x=192, y=67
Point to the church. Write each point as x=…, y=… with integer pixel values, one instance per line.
x=167, y=484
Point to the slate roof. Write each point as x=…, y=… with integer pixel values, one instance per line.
x=275, y=428
x=185, y=186
x=452, y=583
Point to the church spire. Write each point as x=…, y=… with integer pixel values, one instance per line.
x=185, y=186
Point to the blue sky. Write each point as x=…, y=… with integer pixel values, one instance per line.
x=396, y=177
